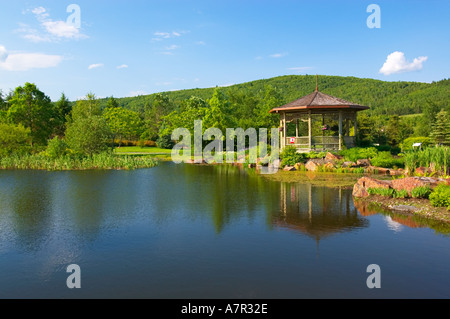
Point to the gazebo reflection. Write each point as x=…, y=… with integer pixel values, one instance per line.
x=317, y=212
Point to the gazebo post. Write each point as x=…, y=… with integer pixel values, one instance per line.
x=296, y=128
x=309, y=130
x=284, y=130
x=356, y=124
x=340, y=130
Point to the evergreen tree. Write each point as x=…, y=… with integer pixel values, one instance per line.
x=440, y=133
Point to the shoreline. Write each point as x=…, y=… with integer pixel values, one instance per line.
x=407, y=206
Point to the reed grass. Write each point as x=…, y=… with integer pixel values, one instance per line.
x=96, y=161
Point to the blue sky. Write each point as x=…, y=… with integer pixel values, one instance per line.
x=127, y=48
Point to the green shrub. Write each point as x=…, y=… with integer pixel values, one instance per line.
x=385, y=159
x=14, y=139
x=358, y=170
x=403, y=193
x=408, y=143
x=388, y=192
x=356, y=153
x=289, y=156
x=56, y=148
x=440, y=197
x=421, y=192
x=165, y=141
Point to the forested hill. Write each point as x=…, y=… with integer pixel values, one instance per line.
x=383, y=97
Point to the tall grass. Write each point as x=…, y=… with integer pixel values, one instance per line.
x=436, y=158
x=96, y=161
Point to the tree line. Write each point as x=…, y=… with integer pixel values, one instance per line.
x=29, y=119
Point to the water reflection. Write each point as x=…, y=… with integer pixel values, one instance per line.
x=317, y=212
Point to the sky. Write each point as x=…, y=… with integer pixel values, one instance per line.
x=128, y=48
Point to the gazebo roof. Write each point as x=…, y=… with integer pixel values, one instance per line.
x=318, y=100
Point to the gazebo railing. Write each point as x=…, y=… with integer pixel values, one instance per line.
x=318, y=142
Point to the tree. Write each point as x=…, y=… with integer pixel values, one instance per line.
x=219, y=114
x=87, y=136
x=112, y=102
x=87, y=132
x=62, y=109
x=89, y=106
x=122, y=122
x=154, y=113
x=3, y=105
x=440, y=133
x=33, y=109
x=13, y=139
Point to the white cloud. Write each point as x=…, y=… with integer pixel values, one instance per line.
x=159, y=36
x=123, y=66
x=137, y=93
x=172, y=47
x=40, y=11
x=95, y=65
x=27, y=61
x=61, y=29
x=397, y=63
x=50, y=30
x=166, y=53
x=200, y=43
x=278, y=55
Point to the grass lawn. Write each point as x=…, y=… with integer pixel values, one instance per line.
x=142, y=150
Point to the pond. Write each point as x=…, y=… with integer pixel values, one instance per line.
x=199, y=231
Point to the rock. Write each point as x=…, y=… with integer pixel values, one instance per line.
x=333, y=157
x=289, y=168
x=363, y=162
x=347, y=164
x=380, y=170
x=409, y=183
x=299, y=166
x=364, y=183
x=397, y=172
x=329, y=166
x=404, y=208
x=314, y=163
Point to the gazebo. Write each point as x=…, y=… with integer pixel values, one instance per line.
x=322, y=108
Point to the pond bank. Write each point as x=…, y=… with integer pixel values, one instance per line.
x=407, y=206
x=408, y=203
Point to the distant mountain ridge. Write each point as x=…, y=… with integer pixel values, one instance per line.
x=381, y=96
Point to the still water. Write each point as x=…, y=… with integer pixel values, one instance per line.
x=187, y=231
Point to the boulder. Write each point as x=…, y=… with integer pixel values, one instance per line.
x=289, y=168
x=409, y=183
x=329, y=166
x=363, y=162
x=380, y=170
x=299, y=166
x=364, y=183
x=333, y=157
x=348, y=164
x=314, y=163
